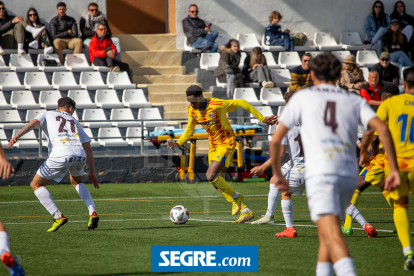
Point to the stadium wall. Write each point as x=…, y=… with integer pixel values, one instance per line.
x=230, y=17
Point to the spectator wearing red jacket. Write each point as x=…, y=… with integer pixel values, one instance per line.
x=372, y=91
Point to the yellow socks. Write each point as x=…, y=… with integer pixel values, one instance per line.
x=402, y=224
x=221, y=184
x=388, y=198
x=226, y=196
x=355, y=202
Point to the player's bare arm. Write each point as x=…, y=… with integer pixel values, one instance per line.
x=89, y=157
x=27, y=128
x=366, y=141
x=260, y=169
x=5, y=167
x=275, y=152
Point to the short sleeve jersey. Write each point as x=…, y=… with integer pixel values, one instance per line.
x=329, y=118
x=65, y=133
x=293, y=140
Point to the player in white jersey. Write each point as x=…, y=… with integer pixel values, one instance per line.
x=294, y=172
x=329, y=119
x=69, y=148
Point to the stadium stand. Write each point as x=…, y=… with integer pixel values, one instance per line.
x=23, y=99
x=326, y=42
x=341, y=54
x=36, y=81
x=23, y=143
x=272, y=48
x=270, y=60
x=281, y=77
x=272, y=96
x=77, y=63
x=118, y=114
x=209, y=61
x=22, y=63
x=107, y=98
x=151, y=114
x=9, y=119
x=10, y=81
x=248, y=41
x=50, y=57
x=367, y=58
x=247, y=94
x=3, y=102
x=92, y=81
x=94, y=143
x=119, y=80
x=91, y=115
x=351, y=41
x=48, y=99
x=133, y=135
x=115, y=141
x=134, y=98
x=64, y=81
x=3, y=66
x=265, y=110
x=289, y=60
x=82, y=99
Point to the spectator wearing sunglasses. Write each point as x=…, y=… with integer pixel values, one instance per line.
x=199, y=35
x=64, y=32
x=300, y=75
x=89, y=23
x=43, y=39
x=376, y=24
x=388, y=72
x=12, y=31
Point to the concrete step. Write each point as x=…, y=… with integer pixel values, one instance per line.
x=177, y=97
x=164, y=79
x=175, y=107
x=163, y=88
x=152, y=58
x=147, y=42
x=175, y=115
x=158, y=70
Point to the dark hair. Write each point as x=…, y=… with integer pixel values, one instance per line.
x=66, y=102
x=275, y=14
x=1, y=3
x=37, y=18
x=194, y=90
x=102, y=24
x=326, y=67
x=289, y=95
x=381, y=16
x=307, y=55
x=307, y=85
x=390, y=89
x=60, y=4
x=192, y=5
x=408, y=75
x=92, y=4
x=396, y=14
x=228, y=45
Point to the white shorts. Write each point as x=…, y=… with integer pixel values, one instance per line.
x=56, y=168
x=295, y=176
x=329, y=194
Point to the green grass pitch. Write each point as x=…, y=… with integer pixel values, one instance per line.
x=133, y=217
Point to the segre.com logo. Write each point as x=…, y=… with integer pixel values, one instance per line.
x=205, y=258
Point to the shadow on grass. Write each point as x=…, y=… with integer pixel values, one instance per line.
x=150, y=228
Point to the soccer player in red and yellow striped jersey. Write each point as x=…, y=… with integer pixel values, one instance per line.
x=211, y=114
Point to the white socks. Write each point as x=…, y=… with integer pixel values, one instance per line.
x=345, y=267
x=272, y=199
x=86, y=197
x=4, y=242
x=324, y=269
x=287, y=210
x=353, y=212
x=246, y=210
x=47, y=201
x=406, y=249
x=235, y=195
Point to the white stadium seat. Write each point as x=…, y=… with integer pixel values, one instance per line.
x=33, y=113
x=365, y=70
x=3, y=138
x=36, y=81
x=270, y=131
x=151, y=114
x=272, y=96
x=164, y=128
x=107, y=98
x=367, y=58
x=271, y=48
x=64, y=81
x=111, y=142
x=265, y=111
x=10, y=116
x=3, y=102
x=326, y=42
x=270, y=60
x=308, y=45
x=289, y=60
x=243, y=56
x=281, y=77
x=91, y=115
x=314, y=53
x=48, y=99
x=25, y=144
x=119, y=80
x=92, y=81
x=341, y=55
x=10, y=81
x=81, y=98
x=247, y=94
x=134, y=135
x=3, y=66
x=134, y=98
x=352, y=41
x=209, y=61
x=248, y=41
x=77, y=63
x=22, y=63
x=187, y=47
x=221, y=84
x=94, y=143
x=50, y=68
x=23, y=99
x=280, y=110
x=118, y=114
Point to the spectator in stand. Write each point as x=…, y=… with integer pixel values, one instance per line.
x=228, y=69
x=64, y=32
x=300, y=75
x=12, y=30
x=376, y=24
x=274, y=35
x=255, y=68
x=395, y=42
x=372, y=91
x=388, y=72
x=43, y=39
x=199, y=35
x=352, y=76
x=405, y=20
x=103, y=51
x=89, y=23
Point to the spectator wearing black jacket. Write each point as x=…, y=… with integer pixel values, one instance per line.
x=405, y=20
x=43, y=40
x=88, y=25
x=388, y=73
x=199, y=35
x=64, y=32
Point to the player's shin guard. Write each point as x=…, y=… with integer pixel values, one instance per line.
x=402, y=224
x=388, y=198
x=86, y=197
x=47, y=201
x=355, y=202
x=221, y=184
x=226, y=196
x=272, y=199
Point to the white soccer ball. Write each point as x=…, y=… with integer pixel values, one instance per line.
x=179, y=214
